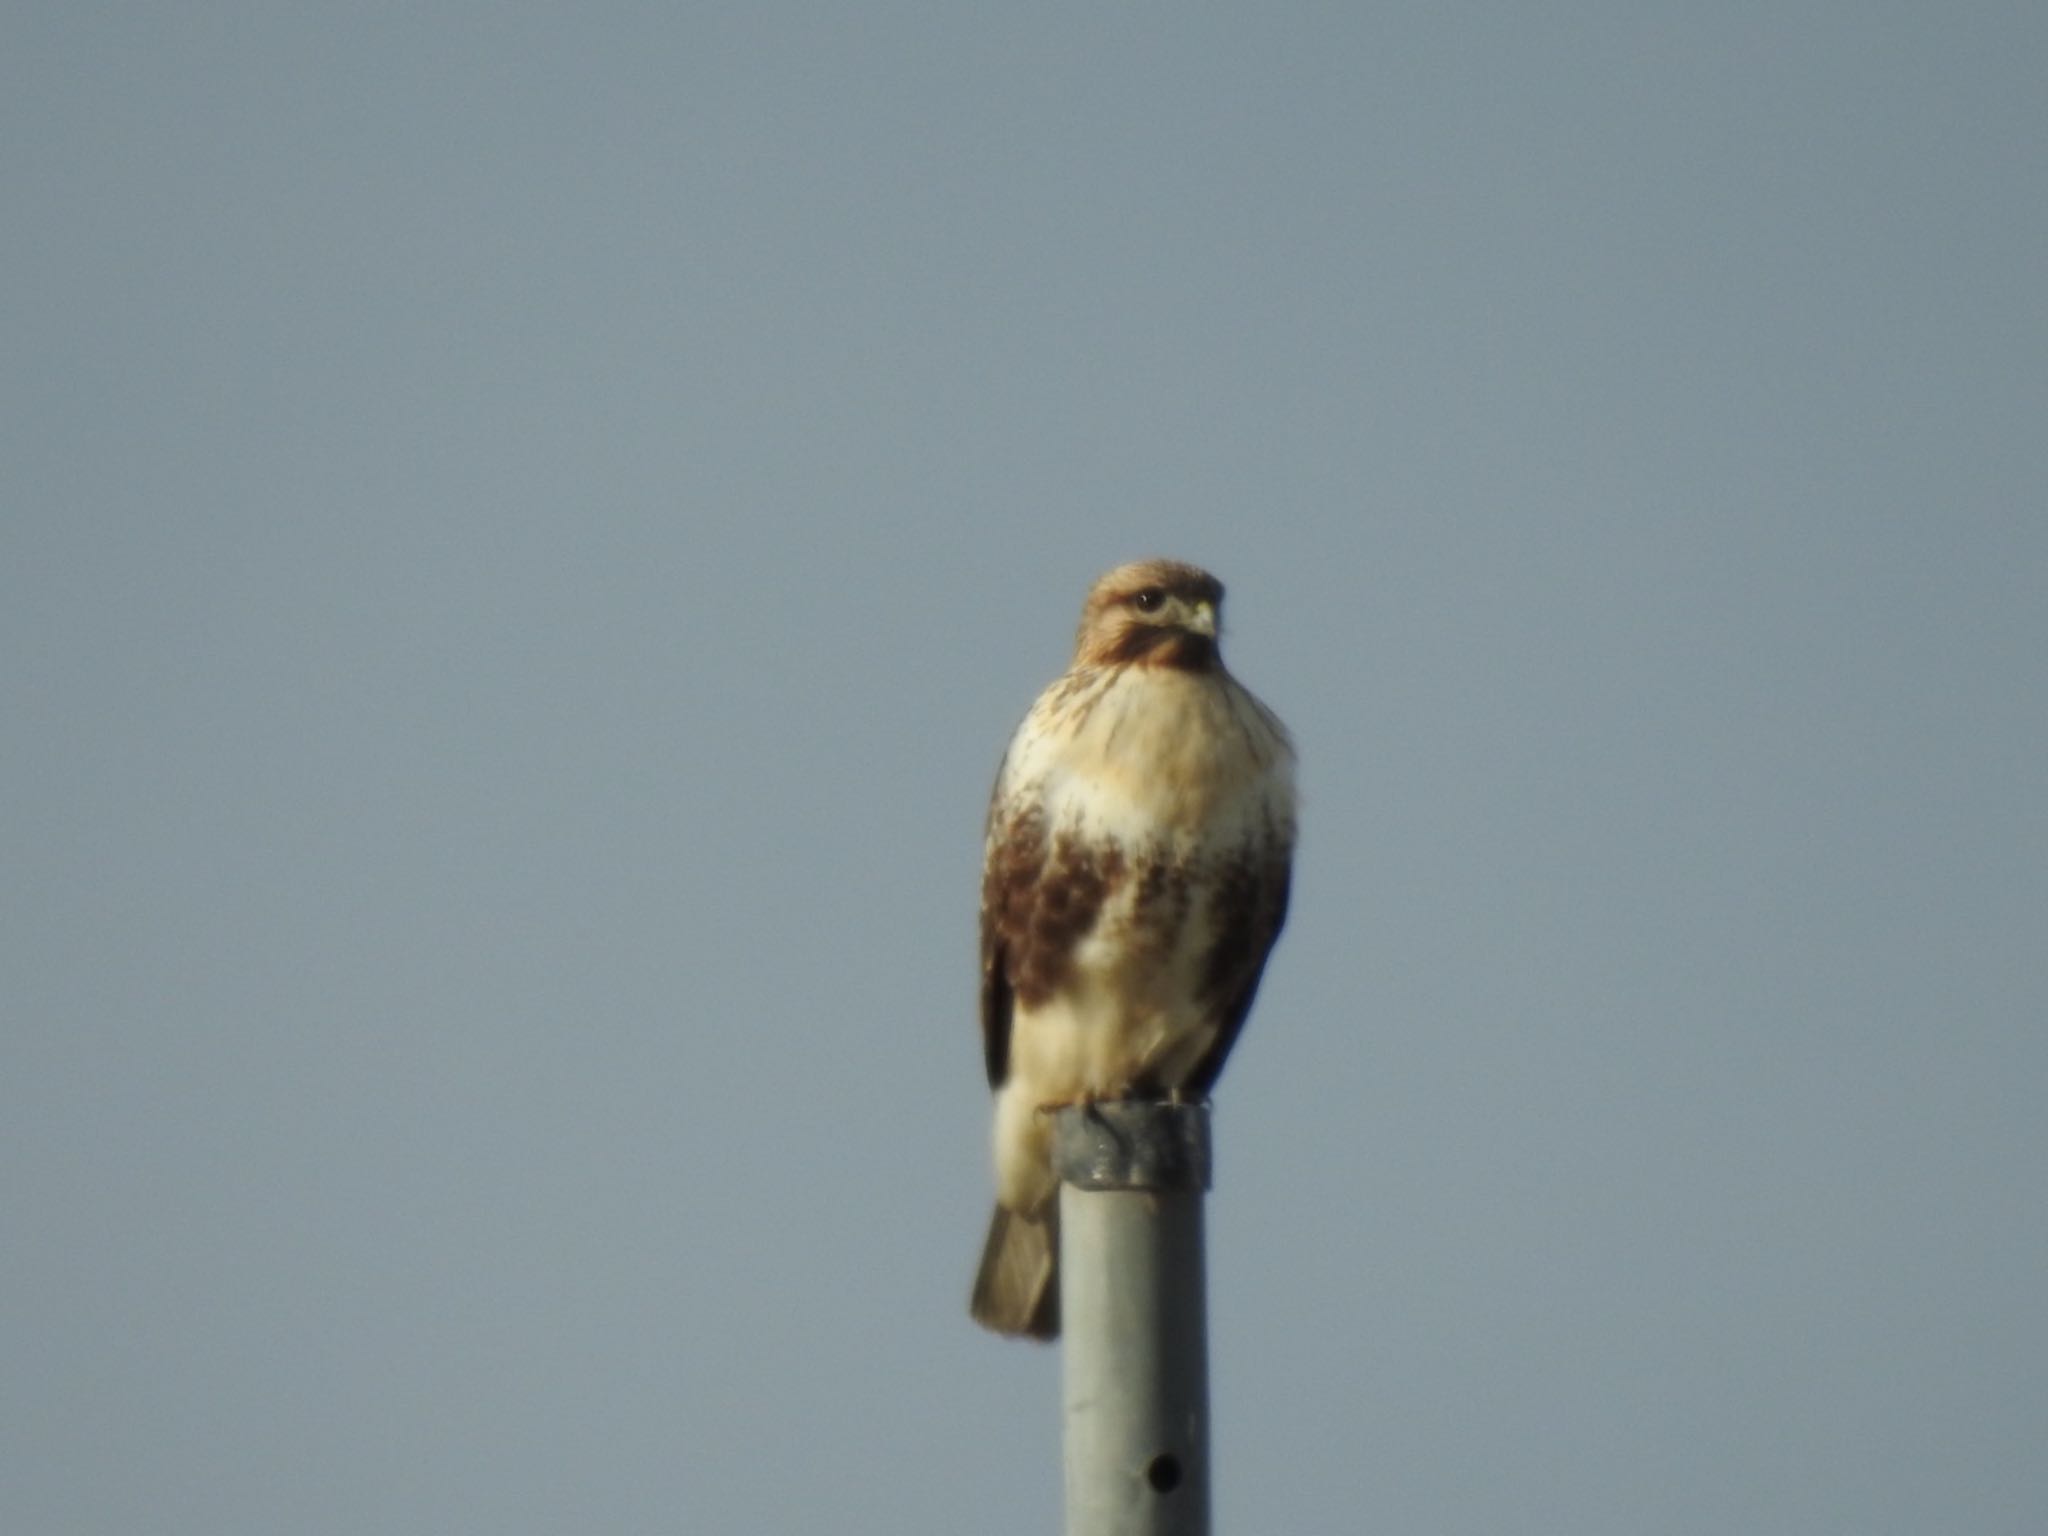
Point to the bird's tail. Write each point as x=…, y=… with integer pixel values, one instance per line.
x=1017, y=1290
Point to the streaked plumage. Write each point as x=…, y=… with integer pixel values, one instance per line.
x=1134, y=879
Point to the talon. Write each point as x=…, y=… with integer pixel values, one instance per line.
x=1054, y=1106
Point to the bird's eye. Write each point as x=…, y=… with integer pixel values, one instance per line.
x=1150, y=600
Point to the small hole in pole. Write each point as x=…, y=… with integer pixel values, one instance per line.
x=1163, y=1473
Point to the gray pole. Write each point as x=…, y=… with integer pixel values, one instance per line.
x=1135, y=1356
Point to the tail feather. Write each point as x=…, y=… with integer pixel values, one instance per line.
x=1017, y=1290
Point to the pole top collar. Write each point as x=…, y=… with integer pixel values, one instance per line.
x=1142, y=1144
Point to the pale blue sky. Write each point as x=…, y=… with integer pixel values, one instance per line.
x=525, y=531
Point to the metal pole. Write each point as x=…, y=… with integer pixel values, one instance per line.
x=1135, y=1357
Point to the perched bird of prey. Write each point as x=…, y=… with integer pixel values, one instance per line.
x=1134, y=879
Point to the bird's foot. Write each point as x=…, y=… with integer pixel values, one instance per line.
x=1083, y=1100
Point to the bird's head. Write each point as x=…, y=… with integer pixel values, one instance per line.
x=1155, y=613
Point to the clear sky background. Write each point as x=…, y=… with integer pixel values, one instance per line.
x=527, y=527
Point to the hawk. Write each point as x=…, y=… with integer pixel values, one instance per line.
x=1133, y=881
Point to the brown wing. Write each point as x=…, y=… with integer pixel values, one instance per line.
x=1252, y=899
x=1040, y=895
x=1009, y=873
